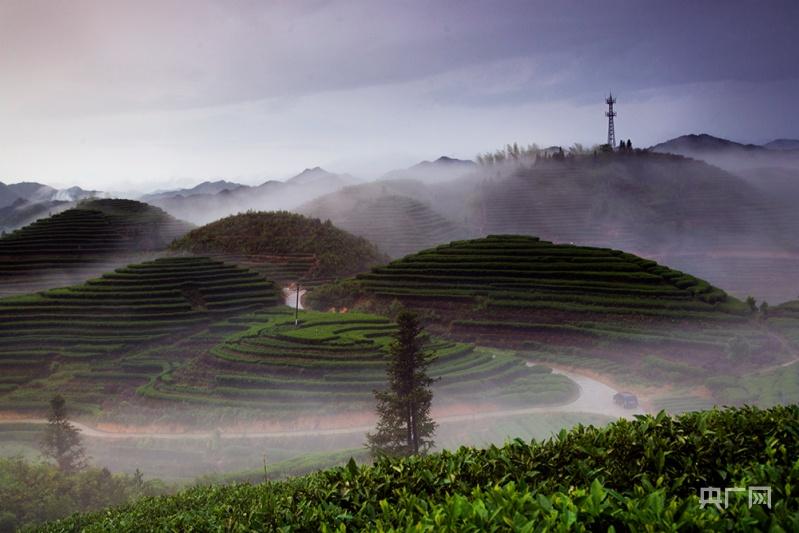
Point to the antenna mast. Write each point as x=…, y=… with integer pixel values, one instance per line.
x=610, y=114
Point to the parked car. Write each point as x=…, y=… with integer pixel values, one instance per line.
x=628, y=400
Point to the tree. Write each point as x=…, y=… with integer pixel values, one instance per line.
x=764, y=310
x=405, y=426
x=61, y=439
x=752, y=303
x=629, y=145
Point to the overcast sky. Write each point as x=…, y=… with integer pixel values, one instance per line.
x=138, y=95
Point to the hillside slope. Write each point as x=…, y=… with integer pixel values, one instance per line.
x=82, y=242
x=200, y=206
x=83, y=341
x=632, y=475
x=392, y=214
x=531, y=294
x=285, y=246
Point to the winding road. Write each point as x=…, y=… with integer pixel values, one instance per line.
x=594, y=397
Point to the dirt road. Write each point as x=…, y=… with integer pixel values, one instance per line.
x=594, y=398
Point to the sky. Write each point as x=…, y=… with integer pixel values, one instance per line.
x=143, y=95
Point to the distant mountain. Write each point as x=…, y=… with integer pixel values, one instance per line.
x=317, y=175
x=23, y=212
x=397, y=214
x=38, y=192
x=206, y=187
x=691, y=144
x=441, y=170
x=272, y=195
x=783, y=144
x=772, y=168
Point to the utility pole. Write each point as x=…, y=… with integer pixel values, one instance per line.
x=610, y=114
x=297, y=306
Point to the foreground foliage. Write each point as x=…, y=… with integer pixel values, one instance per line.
x=33, y=493
x=643, y=474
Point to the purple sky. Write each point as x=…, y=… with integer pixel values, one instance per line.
x=139, y=95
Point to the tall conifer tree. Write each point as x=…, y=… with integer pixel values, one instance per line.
x=405, y=426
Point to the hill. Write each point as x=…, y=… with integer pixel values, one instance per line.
x=22, y=212
x=81, y=242
x=38, y=192
x=201, y=207
x=206, y=187
x=441, y=170
x=93, y=339
x=582, y=478
x=554, y=299
x=679, y=211
x=285, y=246
x=190, y=339
x=783, y=144
x=330, y=364
x=394, y=214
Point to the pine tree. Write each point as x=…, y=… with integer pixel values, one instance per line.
x=61, y=439
x=405, y=426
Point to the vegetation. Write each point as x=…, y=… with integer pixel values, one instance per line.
x=644, y=474
x=276, y=236
x=404, y=426
x=61, y=440
x=331, y=363
x=33, y=493
x=80, y=242
x=89, y=340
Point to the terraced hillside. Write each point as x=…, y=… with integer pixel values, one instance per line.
x=681, y=211
x=399, y=225
x=522, y=291
x=87, y=340
x=285, y=247
x=332, y=363
x=81, y=242
x=644, y=201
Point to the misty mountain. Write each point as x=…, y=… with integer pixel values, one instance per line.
x=38, y=192
x=271, y=195
x=772, y=168
x=732, y=156
x=702, y=143
x=206, y=187
x=441, y=170
x=783, y=144
x=394, y=214
x=22, y=212
x=679, y=210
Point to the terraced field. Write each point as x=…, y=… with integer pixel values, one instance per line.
x=399, y=225
x=85, y=241
x=511, y=290
x=283, y=269
x=91, y=339
x=333, y=363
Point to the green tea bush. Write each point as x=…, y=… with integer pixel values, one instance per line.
x=642, y=475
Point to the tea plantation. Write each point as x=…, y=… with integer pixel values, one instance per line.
x=333, y=362
x=86, y=340
x=642, y=475
x=80, y=242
